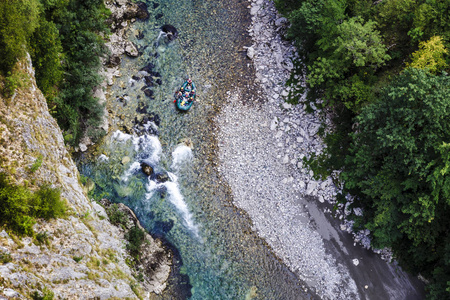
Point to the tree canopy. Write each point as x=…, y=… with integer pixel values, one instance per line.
x=379, y=68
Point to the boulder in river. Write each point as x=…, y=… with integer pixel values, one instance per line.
x=147, y=169
x=148, y=68
x=131, y=50
x=137, y=10
x=162, y=177
x=170, y=31
x=148, y=93
x=125, y=160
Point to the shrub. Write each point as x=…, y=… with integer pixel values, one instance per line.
x=116, y=216
x=19, y=206
x=135, y=238
x=37, y=163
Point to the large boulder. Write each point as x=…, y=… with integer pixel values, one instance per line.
x=170, y=31
x=147, y=169
x=162, y=177
x=137, y=10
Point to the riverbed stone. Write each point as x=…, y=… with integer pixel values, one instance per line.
x=125, y=160
x=250, y=52
x=147, y=169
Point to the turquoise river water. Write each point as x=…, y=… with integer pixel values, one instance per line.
x=218, y=255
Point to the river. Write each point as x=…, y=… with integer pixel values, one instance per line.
x=218, y=254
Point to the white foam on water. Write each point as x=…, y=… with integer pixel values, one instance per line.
x=177, y=200
x=180, y=156
x=135, y=166
x=148, y=144
x=103, y=158
x=152, y=186
x=151, y=125
x=173, y=177
x=120, y=136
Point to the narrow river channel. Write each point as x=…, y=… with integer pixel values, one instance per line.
x=219, y=256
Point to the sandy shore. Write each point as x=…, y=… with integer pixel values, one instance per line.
x=261, y=145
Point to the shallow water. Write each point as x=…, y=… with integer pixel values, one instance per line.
x=220, y=256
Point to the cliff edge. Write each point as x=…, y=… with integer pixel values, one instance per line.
x=81, y=256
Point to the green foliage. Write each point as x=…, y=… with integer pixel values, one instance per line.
x=116, y=216
x=12, y=82
x=42, y=238
x=430, y=55
x=135, y=237
x=77, y=258
x=19, y=207
x=390, y=135
x=46, y=294
x=398, y=167
x=37, y=163
x=65, y=43
x=47, y=53
x=18, y=19
x=5, y=258
x=79, y=25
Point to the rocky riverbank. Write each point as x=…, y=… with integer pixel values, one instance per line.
x=262, y=143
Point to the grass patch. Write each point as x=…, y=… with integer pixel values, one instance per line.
x=37, y=163
x=77, y=259
x=5, y=258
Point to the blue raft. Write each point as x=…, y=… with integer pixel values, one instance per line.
x=184, y=98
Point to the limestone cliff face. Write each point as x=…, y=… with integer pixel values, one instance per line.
x=84, y=256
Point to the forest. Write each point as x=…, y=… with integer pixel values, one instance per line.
x=64, y=39
x=379, y=70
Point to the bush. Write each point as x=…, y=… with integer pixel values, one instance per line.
x=135, y=238
x=19, y=207
x=116, y=216
x=18, y=19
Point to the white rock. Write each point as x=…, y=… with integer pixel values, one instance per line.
x=321, y=199
x=83, y=147
x=250, y=52
x=10, y=293
x=355, y=261
x=311, y=187
x=274, y=124
x=281, y=22
x=287, y=106
x=358, y=211
x=131, y=50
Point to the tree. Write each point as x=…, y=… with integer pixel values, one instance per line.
x=399, y=169
x=430, y=55
x=46, y=53
x=18, y=19
x=347, y=61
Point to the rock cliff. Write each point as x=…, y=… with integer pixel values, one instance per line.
x=82, y=256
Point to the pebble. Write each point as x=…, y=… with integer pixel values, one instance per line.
x=276, y=158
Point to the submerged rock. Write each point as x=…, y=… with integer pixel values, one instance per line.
x=147, y=169
x=148, y=93
x=162, y=177
x=170, y=31
x=125, y=160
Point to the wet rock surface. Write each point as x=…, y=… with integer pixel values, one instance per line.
x=262, y=142
x=154, y=263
